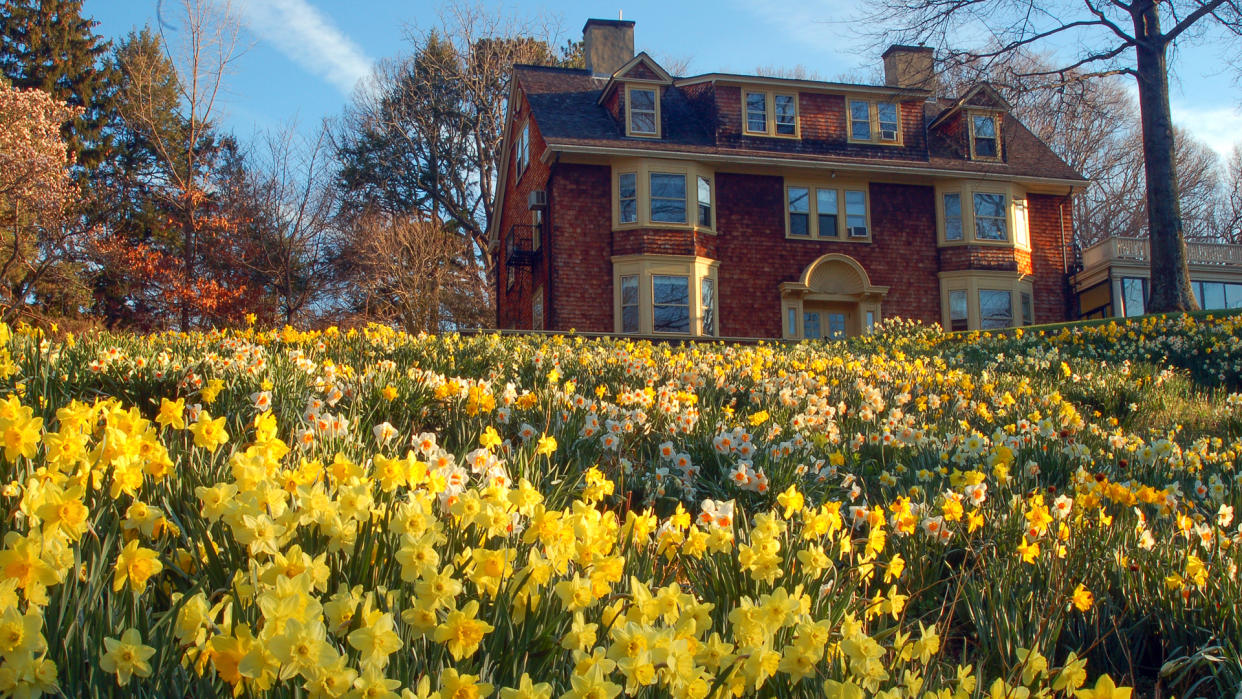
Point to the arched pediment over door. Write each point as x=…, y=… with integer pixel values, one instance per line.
x=834, y=297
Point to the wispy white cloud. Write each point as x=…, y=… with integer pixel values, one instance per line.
x=309, y=38
x=1220, y=127
x=823, y=27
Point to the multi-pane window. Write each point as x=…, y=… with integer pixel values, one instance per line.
x=878, y=122
x=523, y=149
x=1217, y=295
x=860, y=120
x=663, y=194
x=757, y=112
x=629, y=303
x=990, y=216
x=826, y=211
x=856, y=213
x=707, y=302
x=959, y=316
x=670, y=303
x=995, y=309
x=786, y=112
x=642, y=108
x=810, y=326
x=770, y=114
x=705, y=202
x=668, y=198
x=665, y=294
x=799, y=207
x=1028, y=308
x=627, y=196
x=984, y=143
x=886, y=118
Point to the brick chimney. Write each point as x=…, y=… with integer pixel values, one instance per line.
x=607, y=44
x=911, y=67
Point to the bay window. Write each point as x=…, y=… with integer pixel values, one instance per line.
x=665, y=294
x=985, y=300
x=982, y=213
x=663, y=194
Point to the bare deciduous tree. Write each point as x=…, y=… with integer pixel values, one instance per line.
x=200, y=50
x=1115, y=38
x=1229, y=215
x=289, y=191
x=427, y=134
x=404, y=269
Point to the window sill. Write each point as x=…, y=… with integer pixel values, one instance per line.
x=831, y=239
x=796, y=136
x=627, y=227
x=1002, y=244
x=858, y=142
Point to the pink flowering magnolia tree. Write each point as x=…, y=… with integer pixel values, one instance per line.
x=38, y=231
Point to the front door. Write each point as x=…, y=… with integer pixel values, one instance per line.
x=828, y=321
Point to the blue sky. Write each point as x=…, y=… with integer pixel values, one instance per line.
x=303, y=56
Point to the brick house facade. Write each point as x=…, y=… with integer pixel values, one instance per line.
x=631, y=201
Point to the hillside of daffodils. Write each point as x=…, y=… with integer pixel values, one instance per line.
x=365, y=513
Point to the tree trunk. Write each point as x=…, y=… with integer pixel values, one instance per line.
x=1170, y=276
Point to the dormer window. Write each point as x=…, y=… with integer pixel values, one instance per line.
x=874, y=122
x=771, y=114
x=860, y=120
x=886, y=115
x=642, y=105
x=984, y=142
